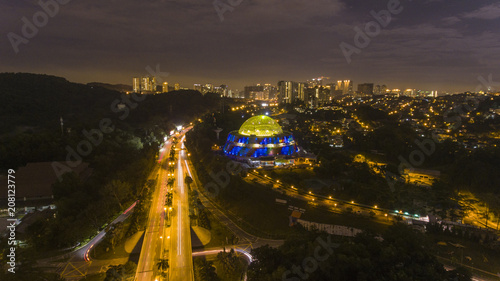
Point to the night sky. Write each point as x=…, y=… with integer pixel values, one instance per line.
x=431, y=44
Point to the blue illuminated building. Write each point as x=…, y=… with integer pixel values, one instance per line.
x=261, y=140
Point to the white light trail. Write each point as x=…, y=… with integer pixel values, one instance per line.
x=187, y=167
x=179, y=228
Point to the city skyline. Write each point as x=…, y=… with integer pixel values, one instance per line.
x=175, y=140
x=430, y=45
x=320, y=89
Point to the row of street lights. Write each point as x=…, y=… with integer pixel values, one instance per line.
x=335, y=204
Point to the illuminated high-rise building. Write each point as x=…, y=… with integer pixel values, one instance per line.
x=289, y=91
x=254, y=92
x=270, y=92
x=313, y=97
x=346, y=86
x=177, y=87
x=301, y=87
x=136, y=84
x=152, y=84
x=285, y=89
x=222, y=90
x=165, y=87
x=148, y=84
x=145, y=84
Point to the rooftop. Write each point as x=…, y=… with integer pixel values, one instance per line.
x=261, y=126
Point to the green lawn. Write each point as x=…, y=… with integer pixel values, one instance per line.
x=263, y=217
x=259, y=214
x=219, y=233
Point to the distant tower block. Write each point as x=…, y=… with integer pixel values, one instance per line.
x=218, y=130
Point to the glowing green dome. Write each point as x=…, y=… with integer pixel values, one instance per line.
x=261, y=126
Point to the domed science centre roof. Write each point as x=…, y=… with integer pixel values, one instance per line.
x=260, y=126
x=259, y=137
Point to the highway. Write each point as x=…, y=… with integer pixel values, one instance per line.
x=156, y=242
x=152, y=245
x=181, y=261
